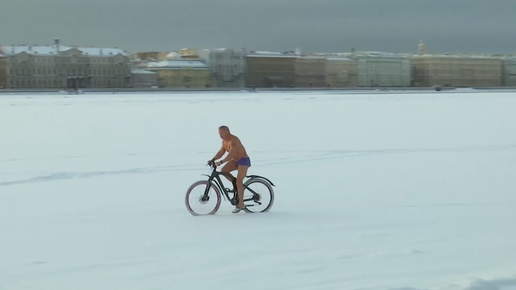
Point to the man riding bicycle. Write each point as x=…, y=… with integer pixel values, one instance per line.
x=237, y=159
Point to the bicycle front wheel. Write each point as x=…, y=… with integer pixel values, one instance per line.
x=198, y=201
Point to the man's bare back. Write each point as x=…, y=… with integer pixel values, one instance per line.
x=236, y=145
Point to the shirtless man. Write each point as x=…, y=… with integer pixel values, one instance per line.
x=237, y=160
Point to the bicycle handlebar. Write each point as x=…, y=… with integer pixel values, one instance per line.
x=212, y=164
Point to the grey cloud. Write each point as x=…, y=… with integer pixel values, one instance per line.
x=326, y=25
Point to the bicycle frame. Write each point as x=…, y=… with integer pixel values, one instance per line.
x=214, y=177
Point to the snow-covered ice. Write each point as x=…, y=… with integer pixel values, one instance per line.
x=373, y=191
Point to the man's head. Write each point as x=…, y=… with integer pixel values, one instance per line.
x=224, y=132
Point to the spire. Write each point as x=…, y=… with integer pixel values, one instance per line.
x=422, y=47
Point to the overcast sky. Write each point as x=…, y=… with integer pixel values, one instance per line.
x=277, y=25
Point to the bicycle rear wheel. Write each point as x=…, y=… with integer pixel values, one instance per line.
x=258, y=195
x=195, y=198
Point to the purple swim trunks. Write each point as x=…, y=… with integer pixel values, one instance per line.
x=245, y=161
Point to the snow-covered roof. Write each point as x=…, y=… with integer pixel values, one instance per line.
x=141, y=71
x=273, y=56
x=177, y=64
x=102, y=51
x=265, y=52
x=462, y=56
x=52, y=50
x=218, y=49
x=173, y=55
x=270, y=54
x=378, y=54
x=312, y=57
x=339, y=59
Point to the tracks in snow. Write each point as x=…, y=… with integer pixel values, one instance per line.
x=316, y=156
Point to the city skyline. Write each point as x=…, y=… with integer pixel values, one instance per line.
x=466, y=26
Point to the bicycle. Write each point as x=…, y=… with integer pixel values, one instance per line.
x=214, y=182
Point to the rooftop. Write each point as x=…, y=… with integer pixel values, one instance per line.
x=339, y=59
x=476, y=56
x=141, y=71
x=314, y=57
x=265, y=52
x=173, y=55
x=177, y=64
x=378, y=54
x=52, y=50
x=229, y=50
x=258, y=53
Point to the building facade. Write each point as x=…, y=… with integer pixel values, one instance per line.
x=4, y=72
x=310, y=71
x=384, y=71
x=181, y=73
x=227, y=67
x=60, y=67
x=144, y=78
x=509, y=72
x=341, y=72
x=456, y=71
x=270, y=69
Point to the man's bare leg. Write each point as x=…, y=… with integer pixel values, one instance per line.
x=230, y=166
x=242, y=172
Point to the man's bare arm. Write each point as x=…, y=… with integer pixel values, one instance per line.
x=220, y=153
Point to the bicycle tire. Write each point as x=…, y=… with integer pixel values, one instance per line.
x=217, y=195
x=269, y=187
